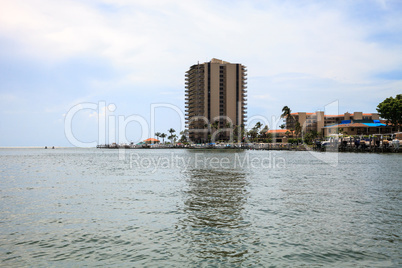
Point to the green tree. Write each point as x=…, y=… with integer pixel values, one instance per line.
x=258, y=125
x=256, y=131
x=287, y=114
x=172, y=137
x=298, y=129
x=157, y=134
x=252, y=133
x=263, y=133
x=163, y=136
x=310, y=136
x=236, y=133
x=215, y=124
x=171, y=131
x=184, y=135
x=391, y=110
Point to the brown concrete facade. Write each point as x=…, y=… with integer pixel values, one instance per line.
x=318, y=120
x=215, y=91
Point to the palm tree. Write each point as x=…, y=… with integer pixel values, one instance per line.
x=263, y=132
x=163, y=136
x=255, y=131
x=157, y=134
x=253, y=134
x=172, y=137
x=171, y=131
x=184, y=135
x=286, y=112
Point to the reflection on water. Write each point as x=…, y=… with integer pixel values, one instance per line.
x=214, y=206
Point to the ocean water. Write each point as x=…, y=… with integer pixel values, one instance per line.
x=194, y=208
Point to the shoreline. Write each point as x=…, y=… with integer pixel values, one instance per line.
x=274, y=147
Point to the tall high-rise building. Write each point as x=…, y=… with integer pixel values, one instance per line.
x=216, y=99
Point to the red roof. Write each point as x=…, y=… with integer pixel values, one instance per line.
x=151, y=139
x=334, y=115
x=277, y=130
x=306, y=113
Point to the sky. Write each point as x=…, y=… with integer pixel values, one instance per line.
x=79, y=73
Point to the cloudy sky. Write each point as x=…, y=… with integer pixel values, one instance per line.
x=68, y=60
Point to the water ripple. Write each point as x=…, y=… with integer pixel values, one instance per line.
x=85, y=207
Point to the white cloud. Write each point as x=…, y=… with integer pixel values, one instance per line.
x=156, y=40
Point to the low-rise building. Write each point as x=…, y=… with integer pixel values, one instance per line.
x=318, y=120
x=358, y=127
x=357, y=123
x=279, y=135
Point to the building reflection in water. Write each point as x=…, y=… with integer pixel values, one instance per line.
x=214, y=225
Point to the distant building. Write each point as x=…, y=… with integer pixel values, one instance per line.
x=279, y=135
x=357, y=123
x=359, y=127
x=215, y=91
